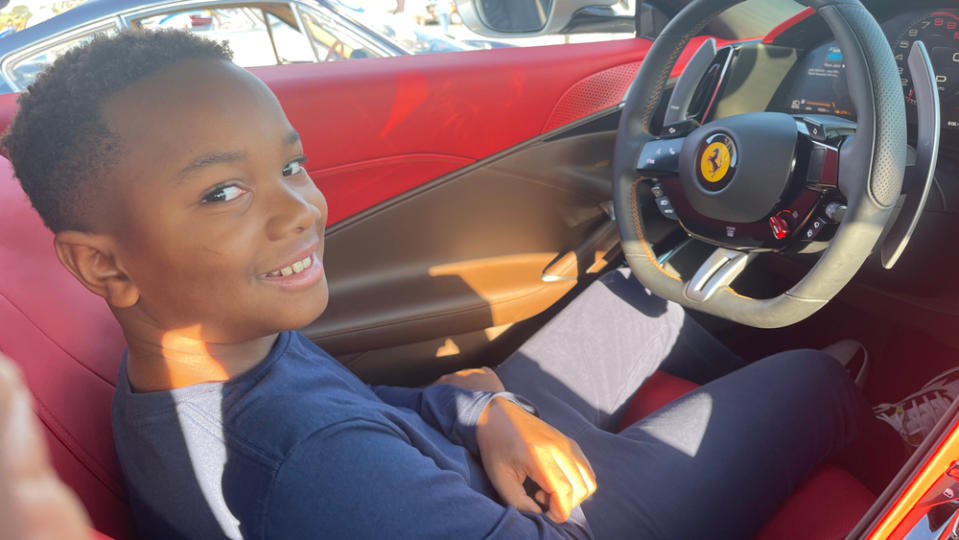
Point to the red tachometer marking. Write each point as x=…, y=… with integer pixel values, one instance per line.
x=945, y=14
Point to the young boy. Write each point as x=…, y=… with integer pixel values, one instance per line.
x=176, y=189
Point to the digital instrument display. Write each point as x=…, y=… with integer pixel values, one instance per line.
x=820, y=84
x=939, y=31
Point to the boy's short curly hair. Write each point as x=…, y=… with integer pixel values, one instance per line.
x=58, y=142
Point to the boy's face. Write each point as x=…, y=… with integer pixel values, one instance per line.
x=214, y=218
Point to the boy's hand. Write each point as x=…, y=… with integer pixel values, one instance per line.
x=515, y=445
x=481, y=380
x=34, y=503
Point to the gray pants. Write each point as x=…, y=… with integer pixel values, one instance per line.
x=716, y=463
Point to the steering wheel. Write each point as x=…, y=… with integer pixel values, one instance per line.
x=763, y=181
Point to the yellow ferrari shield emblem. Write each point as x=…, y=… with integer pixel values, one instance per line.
x=715, y=162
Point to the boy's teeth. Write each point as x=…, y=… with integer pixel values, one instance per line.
x=294, y=268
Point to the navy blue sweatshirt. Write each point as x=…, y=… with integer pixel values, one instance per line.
x=299, y=447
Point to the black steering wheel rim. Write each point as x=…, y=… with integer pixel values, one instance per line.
x=871, y=165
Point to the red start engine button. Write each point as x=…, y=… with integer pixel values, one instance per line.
x=779, y=227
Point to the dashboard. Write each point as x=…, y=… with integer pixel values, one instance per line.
x=817, y=82
x=921, y=290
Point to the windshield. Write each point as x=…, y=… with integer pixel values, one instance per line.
x=752, y=18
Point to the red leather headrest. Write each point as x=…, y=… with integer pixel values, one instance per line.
x=8, y=109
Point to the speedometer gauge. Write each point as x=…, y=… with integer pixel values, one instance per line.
x=940, y=33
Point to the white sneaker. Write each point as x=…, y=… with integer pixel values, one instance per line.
x=915, y=416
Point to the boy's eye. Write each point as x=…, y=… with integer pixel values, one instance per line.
x=222, y=194
x=294, y=167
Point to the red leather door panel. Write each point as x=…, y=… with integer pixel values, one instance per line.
x=376, y=128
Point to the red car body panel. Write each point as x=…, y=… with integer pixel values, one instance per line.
x=907, y=509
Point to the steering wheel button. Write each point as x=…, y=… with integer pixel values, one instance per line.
x=789, y=216
x=816, y=130
x=666, y=207
x=823, y=165
x=814, y=228
x=660, y=156
x=779, y=227
x=679, y=129
x=816, y=159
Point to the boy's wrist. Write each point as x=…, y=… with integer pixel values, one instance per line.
x=506, y=400
x=517, y=400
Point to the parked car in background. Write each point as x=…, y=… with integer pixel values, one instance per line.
x=419, y=39
x=260, y=33
x=411, y=30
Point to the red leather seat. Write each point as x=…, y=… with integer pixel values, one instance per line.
x=68, y=346
x=825, y=507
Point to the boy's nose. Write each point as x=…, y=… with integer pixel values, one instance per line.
x=291, y=212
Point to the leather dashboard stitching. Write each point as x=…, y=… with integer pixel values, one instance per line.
x=734, y=293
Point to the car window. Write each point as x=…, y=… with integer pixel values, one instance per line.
x=243, y=28
x=753, y=18
x=422, y=26
x=334, y=40
x=414, y=38
x=441, y=18
x=22, y=71
x=292, y=45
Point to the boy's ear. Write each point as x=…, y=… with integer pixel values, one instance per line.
x=91, y=260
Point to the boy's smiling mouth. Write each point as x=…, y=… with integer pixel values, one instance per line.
x=306, y=270
x=294, y=268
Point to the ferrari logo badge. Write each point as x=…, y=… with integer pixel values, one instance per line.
x=715, y=161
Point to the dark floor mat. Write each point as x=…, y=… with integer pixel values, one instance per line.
x=908, y=360
x=901, y=359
